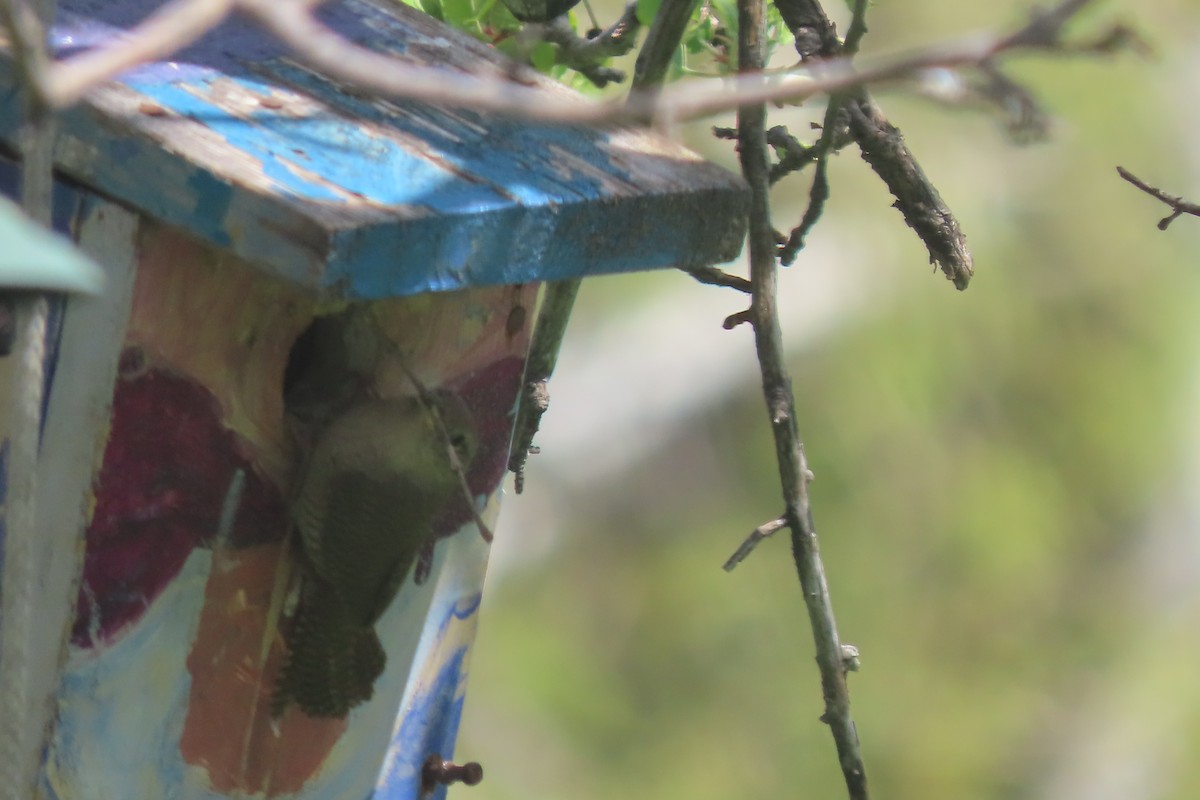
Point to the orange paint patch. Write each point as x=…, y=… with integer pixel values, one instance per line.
x=229, y=731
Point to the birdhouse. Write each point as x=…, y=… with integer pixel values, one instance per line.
x=267, y=439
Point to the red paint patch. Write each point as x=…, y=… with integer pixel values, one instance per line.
x=167, y=468
x=490, y=394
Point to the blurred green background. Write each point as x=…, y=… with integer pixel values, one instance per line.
x=1006, y=479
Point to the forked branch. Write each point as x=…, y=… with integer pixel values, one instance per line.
x=1178, y=205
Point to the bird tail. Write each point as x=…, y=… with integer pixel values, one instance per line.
x=332, y=660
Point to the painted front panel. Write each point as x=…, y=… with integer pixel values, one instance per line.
x=180, y=624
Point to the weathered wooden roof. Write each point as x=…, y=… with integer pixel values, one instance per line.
x=364, y=197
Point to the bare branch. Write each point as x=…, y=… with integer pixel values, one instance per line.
x=763, y=531
x=25, y=24
x=174, y=26
x=460, y=469
x=738, y=318
x=715, y=277
x=183, y=21
x=431, y=406
x=326, y=51
x=781, y=410
x=1178, y=205
x=1045, y=28
x=917, y=199
x=695, y=99
x=662, y=40
x=585, y=55
x=818, y=192
x=854, y=116
x=665, y=34
x=427, y=400
x=25, y=32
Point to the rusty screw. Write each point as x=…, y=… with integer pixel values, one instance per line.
x=437, y=771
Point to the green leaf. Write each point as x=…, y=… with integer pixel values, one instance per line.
x=458, y=12
x=433, y=8
x=544, y=56
x=35, y=258
x=647, y=10
x=725, y=12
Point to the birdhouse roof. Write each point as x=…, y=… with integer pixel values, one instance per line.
x=235, y=141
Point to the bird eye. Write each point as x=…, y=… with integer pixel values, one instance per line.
x=461, y=445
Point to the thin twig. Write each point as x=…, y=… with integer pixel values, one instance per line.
x=818, y=192
x=1045, y=27
x=793, y=156
x=777, y=391
x=856, y=30
x=555, y=312
x=322, y=49
x=815, y=34
x=738, y=318
x=460, y=470
x=20, y=20
x=26, y=24
x=585, y=56
x=831, y=127
x=715, y=277
x=881, y=144
x=662, y=42
x=918, y=200
x=172, y=27
x=763, y=531
x=1178, y=205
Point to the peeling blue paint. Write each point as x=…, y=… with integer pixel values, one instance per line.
x=498, y=152
x=430, y=726
x=430, y=723
x=366, y=197
x=213, y=198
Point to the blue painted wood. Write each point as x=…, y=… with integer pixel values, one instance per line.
x=367, y=198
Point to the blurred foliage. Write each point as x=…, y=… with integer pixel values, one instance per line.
x=708, y=46
x=1002, y=489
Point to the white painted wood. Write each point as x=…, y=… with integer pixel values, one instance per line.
x=73, y=443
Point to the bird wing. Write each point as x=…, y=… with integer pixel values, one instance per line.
x=367, y=538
